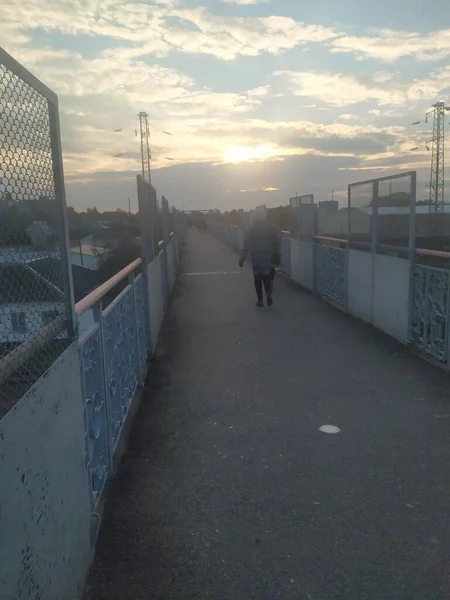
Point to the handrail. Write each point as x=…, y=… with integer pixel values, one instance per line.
x=418, y=251
x=96, y=295
x=438, y=253
x=15, y=359
x=331, y=239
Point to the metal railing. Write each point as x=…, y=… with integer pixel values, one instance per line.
x=330, y=267
x=113, y=355
x=402, y=289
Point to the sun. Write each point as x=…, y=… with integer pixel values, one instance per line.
x=237, y=154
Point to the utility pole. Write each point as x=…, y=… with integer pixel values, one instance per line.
x=129, y=206
x=436, y=198
x=145, y=146
x=436, y=186
x=437, y=159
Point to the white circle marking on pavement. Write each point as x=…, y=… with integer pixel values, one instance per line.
x=329, y=429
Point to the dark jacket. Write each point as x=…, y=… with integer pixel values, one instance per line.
x=263, y=244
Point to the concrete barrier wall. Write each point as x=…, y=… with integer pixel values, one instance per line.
x=306, y=264
x=295, y=260
x=45, y=510
x=171, y=263
x=156, y=297
x=378, y=291
x=391, y=296
x=359, y=285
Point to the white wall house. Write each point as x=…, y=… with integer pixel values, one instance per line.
x=21, y=320
x=28, y=302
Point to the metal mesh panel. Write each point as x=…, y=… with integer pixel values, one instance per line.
x=302, y=217
x=359, y=222
x=380, y=213
x=149, y=218
x=330, y=273
x=395, y=203
x=294, y=226
x=33, y=276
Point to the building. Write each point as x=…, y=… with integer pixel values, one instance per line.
x=28, y=302
x=329, y=205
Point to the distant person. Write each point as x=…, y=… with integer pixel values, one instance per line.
x=263, y=244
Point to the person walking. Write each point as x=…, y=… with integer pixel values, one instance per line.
x=263, y=244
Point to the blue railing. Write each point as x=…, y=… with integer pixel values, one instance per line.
x=114, y=354
x=430, y=310
x=408, y=301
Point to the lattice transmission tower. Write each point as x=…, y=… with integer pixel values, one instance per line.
x=436, y=186
x=145, y=146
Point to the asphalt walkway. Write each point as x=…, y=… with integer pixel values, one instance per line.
x=230, y=491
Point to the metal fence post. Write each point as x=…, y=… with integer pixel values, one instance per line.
x=412, y=251
x=165, y=230
x=131, y=282
x=374, y=241
x=147, y=247
x=63, y=229
x=314, y=249
x=98, y=318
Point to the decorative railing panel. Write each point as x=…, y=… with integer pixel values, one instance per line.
x=139, y=287
x=119, y=328
x=330, y=273
x=96, y=411
x=429, y=314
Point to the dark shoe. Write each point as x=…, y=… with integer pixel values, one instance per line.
x=269, y=300
x=260, y=304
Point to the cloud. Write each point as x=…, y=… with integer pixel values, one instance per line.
x=160, y=27
x=246, y=2
x=340, y=89
x=261, y=140
x=349, y=117
x=219, y=142
x=230, y=37
x=389, y=45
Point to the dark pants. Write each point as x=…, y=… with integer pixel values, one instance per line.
x=272, y=277
x=261, y=280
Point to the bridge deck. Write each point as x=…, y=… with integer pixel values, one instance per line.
x=229, y=490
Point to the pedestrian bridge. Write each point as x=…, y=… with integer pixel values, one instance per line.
x=231, y=486
x=189, y=445
x=231, y=490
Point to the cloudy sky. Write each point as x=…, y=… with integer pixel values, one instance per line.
x=263, y=98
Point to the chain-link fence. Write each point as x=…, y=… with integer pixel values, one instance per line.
x=381, y=214
x=35, y=296
x=150, y=221
x=359, y=216
x=302, y=217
